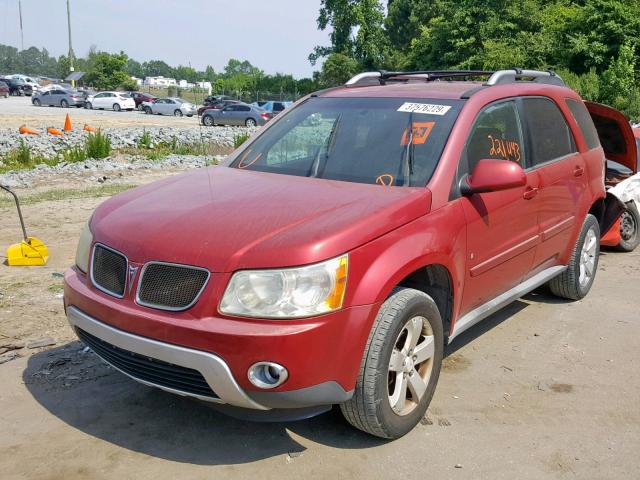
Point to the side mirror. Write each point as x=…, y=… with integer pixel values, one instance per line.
x=493, y=176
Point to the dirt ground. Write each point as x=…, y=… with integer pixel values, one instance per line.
x=545, y=389
x=16, y=111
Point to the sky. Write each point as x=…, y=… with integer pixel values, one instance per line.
x=274, y=35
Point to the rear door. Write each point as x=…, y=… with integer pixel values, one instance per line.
x=553, y=155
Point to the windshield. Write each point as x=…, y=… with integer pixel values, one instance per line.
x=364, y=140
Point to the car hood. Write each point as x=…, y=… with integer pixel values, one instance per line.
x=227, y=219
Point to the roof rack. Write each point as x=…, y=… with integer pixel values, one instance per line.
x=500, y=77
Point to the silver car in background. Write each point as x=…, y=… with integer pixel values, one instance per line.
x=58, y=97
x=235, y=114
x=170, y=106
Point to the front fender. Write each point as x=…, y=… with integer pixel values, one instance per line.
x=436, y=238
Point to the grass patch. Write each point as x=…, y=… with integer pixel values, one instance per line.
x=239, y=139
x=98, y=145
x=67, y=194
x=73, y=155
x=145, y=140
x=23, y=158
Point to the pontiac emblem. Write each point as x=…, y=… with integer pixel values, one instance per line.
x=132, y=275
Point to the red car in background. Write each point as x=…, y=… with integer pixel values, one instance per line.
x=4, y=90
x=219, y=105
x=140, y=97
x=332, y=257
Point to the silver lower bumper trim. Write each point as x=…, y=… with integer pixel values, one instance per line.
x=214, y=370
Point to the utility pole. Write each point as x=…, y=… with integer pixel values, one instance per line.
x=21, y=30
x=71, y=55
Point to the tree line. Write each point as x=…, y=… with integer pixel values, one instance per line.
x=593, y=44
x=107, y=71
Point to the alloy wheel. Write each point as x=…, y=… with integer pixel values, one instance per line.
x=588, y=257
x=628, y=227
x=410, y=365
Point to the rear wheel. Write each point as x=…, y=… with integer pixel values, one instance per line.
x=400, y=368
x=64, y=103
x=88, y=106
x=208, y=121
x=116, y=107
x=576, y=281
x=250, y=122
x=177, y=113
x=629, y=222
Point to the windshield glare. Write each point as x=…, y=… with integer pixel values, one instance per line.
x=364, y=140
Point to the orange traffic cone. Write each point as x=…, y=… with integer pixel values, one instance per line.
x=54, y=131
x=67, y=124
x=89, y=128
x=24, y=130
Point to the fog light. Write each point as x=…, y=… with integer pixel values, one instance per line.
x=267, y=374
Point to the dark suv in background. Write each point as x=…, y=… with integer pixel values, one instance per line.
x=4, y=89
x=18, y=87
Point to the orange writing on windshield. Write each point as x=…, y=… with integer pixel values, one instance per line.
x=421, y=131
x=385, y=179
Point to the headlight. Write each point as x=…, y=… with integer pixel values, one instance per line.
x=83, y=253
x=287, y=293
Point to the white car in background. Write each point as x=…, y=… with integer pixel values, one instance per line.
x=115, y=101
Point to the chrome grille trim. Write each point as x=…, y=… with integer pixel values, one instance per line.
x=139, y=301
x=126, y=269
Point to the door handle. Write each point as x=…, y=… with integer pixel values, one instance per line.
x=529, y=193
x=578, y=171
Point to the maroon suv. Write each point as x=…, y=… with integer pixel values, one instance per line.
x=140, y=97
x=332, y=257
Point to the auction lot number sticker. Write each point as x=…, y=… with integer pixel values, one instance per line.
x=426, y=108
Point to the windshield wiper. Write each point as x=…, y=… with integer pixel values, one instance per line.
x=407, y=160
x=317, y=168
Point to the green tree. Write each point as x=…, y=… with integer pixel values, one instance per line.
x=619, y=81
x=337, y=69
x=108, y=71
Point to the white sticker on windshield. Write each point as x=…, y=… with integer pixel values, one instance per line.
x=426, y=108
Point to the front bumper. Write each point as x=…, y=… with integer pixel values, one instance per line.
x=322, y=354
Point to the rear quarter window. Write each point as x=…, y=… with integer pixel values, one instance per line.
x=583, y=118
x=549, y=134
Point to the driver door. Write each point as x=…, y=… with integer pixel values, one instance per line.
x=502, y=227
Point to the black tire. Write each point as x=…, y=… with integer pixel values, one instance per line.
x=148, y=110
x=250, y=122
x=37, y=102
x=177, y=113
x=116, y=107
x=568, y=284
x=629, y=223
x=370, y=407
x=64, y=103
x=140, y=107
x=208, y=121
x=88, y=106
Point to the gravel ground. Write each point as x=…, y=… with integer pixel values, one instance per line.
x=49, y=146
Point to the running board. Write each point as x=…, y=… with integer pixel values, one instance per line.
x=483, y=311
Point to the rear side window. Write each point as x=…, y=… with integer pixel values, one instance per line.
x=549, y=134
x=585, y=122
x=497, y=135
x=244, y=108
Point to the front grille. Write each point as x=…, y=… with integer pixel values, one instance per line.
x=109, y=270
x=147, y=369
x=170, y=287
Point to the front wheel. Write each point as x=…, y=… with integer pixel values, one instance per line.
x=629, y=235
x=207, y=120
x=148, y=110
x=116, y=107
x=400, y=367
x=576, y=281
x=36, y=102
x=177, y=113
